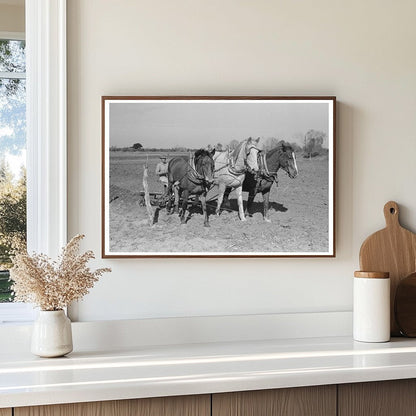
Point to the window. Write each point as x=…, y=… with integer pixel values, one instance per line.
x=46, y=133
x=12, y=155
x=12, y=165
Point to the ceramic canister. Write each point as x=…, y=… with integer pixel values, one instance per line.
x=371, y=322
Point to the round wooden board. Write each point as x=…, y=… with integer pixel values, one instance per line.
x=405, y=306
x=393, y=250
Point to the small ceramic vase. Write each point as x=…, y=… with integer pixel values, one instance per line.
x=52, y=334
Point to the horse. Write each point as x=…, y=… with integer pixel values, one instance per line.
x=230, y=170
x=280, y=157
x=186, y=180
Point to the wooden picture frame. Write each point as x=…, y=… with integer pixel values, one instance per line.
x=289, y=142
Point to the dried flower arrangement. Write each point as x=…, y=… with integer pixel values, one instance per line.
x=53, y=285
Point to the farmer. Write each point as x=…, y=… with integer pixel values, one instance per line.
x=162, y=171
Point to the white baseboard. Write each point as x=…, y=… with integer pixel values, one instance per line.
x=113, y=335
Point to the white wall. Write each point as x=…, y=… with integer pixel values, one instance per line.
x=361, y=51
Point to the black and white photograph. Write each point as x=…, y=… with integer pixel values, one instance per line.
x=218, y=176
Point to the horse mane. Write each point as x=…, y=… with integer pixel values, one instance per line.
x=282, y=146
x=202, y=152
x=236, y=152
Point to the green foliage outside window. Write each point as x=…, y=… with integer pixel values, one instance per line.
x=12, y=145
x=12, y=224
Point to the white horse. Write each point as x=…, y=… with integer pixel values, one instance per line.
x=230, y=170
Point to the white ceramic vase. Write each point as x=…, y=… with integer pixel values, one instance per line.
x=52, y=334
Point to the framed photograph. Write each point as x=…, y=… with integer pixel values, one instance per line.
x=218, y=176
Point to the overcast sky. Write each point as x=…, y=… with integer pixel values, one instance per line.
x=190, y=124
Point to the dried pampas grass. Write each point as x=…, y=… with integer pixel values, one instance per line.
x=53, y=285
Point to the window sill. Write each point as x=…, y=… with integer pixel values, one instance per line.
x=16, y=313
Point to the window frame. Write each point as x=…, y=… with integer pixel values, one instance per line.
x=14, y=312
x=46, y=125
x=46, y=137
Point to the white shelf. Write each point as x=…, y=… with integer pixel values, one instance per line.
x=151, y=371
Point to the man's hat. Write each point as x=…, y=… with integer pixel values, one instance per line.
x=163, y=157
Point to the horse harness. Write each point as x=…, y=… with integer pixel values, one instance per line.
x=264, y=172
x=195, y=177
x=232, y=161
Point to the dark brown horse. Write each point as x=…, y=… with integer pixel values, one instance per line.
x=281, y=157
x=186, y=180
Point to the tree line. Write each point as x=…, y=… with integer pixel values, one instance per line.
x=312, y=146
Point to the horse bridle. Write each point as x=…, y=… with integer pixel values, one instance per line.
x=200, y=179
x=265, y=173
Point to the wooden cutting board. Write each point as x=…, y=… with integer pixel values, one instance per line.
x=393, y=250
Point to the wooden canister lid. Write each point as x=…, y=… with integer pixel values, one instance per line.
x=372, y=275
